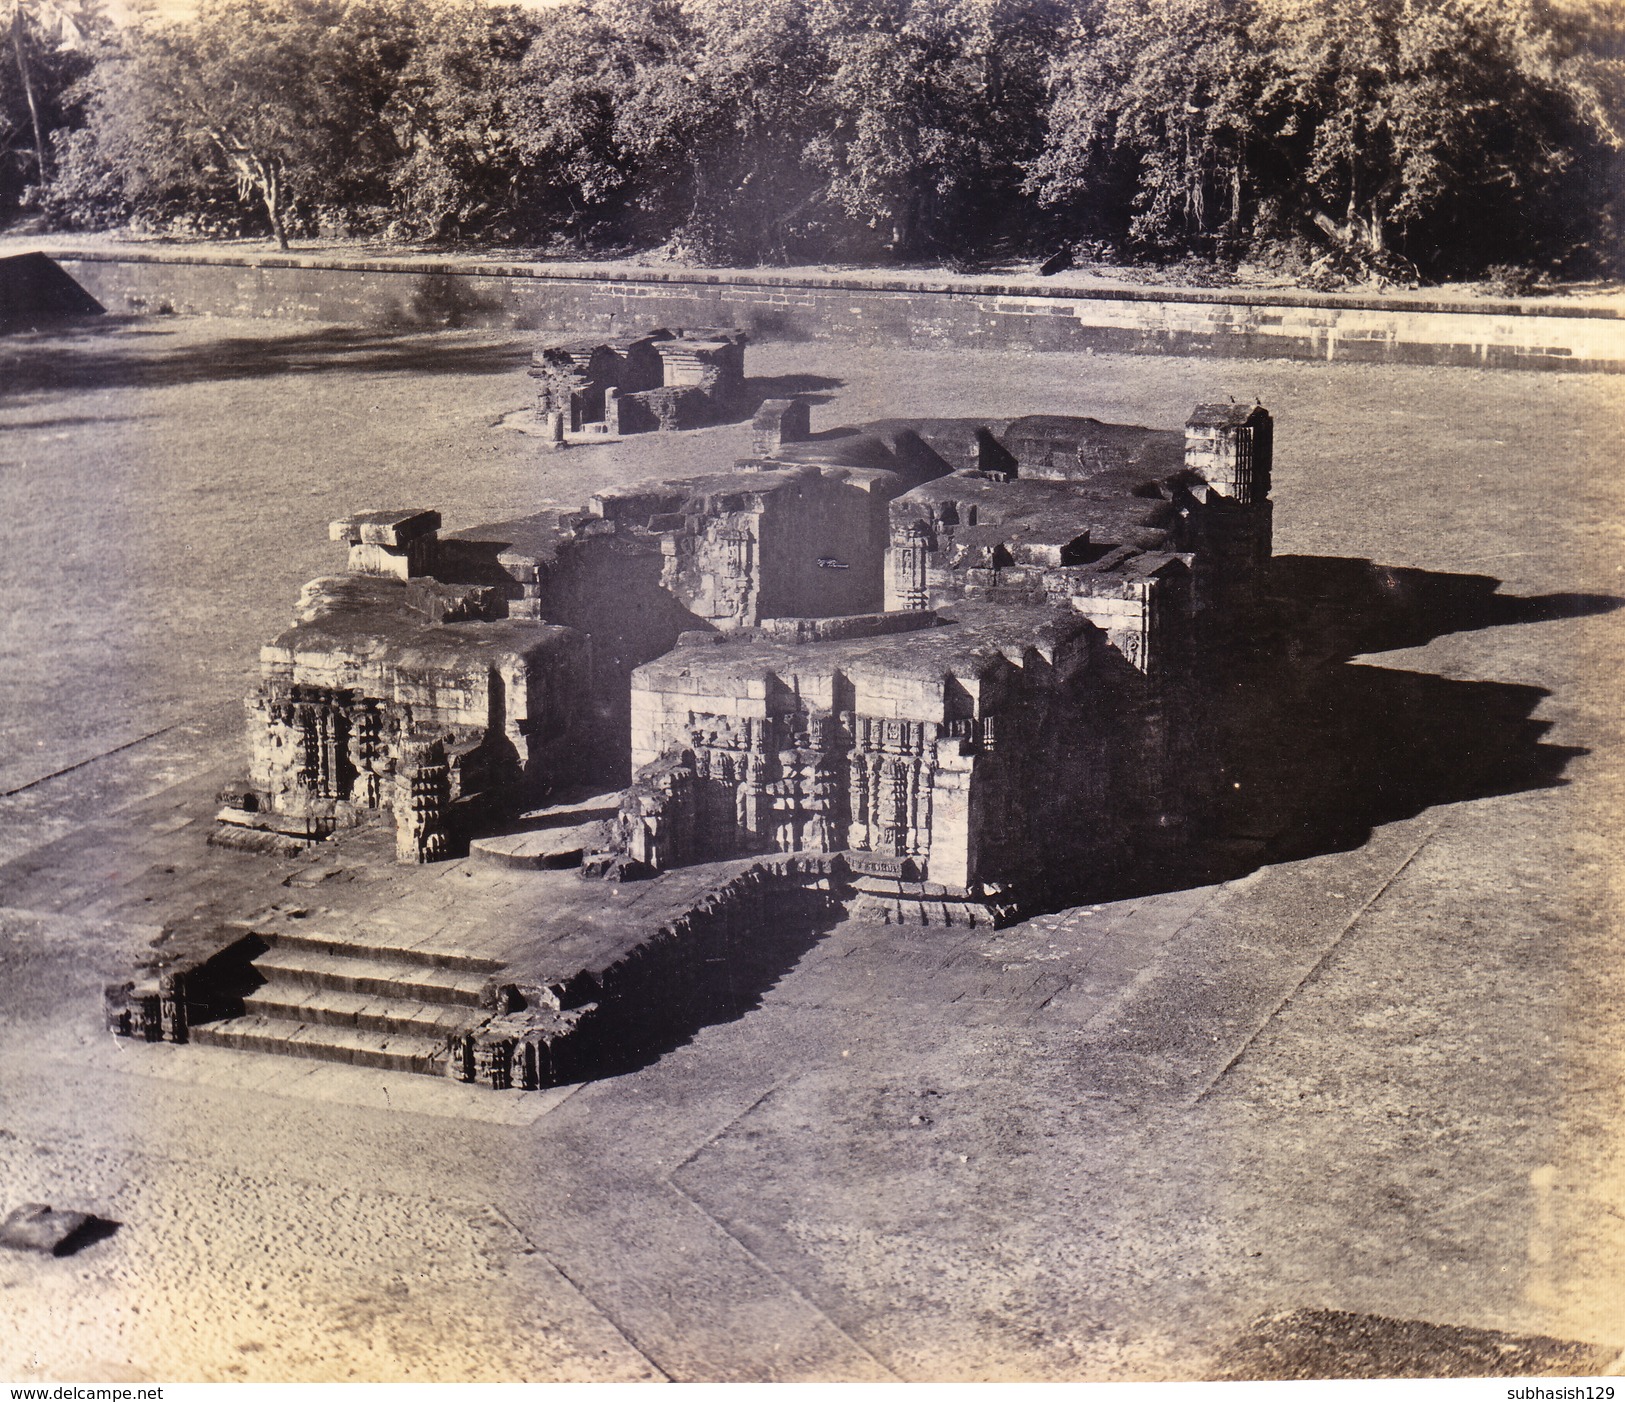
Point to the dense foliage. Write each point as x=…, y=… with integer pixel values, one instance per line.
x=45, y=50
x=1417, y=137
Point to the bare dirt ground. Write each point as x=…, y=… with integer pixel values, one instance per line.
x=1381, y=1078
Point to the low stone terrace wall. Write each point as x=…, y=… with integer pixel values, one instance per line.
x=580, y=299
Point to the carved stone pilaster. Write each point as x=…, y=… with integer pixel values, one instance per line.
x=422, y=792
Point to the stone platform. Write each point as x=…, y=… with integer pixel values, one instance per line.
x=557, y=837
x=364, y=1004
x=339, y=954
x=1379, y=1081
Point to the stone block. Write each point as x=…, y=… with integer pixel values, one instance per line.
x=391, y=528
x=369, y=558
x=37, y=1227
x=522, y=569
x=777, y=422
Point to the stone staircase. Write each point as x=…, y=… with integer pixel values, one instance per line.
x=363, y=1005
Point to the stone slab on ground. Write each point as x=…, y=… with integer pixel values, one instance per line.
x=36, y=1226
x=543, y=849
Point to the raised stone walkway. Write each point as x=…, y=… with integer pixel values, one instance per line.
x=869, y=308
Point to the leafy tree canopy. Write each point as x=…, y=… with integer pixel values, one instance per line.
x=1388, y=128
x=1400, y=136
x=282, y=98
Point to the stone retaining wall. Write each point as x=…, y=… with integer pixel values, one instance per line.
x=579, y=299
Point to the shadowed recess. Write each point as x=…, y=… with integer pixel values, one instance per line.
x=1316, y=750
x=35, y=291
x=713, y=979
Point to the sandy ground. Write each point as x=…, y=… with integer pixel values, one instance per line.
x=1383, y=1077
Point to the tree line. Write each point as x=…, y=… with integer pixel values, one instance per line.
x=1418, y=138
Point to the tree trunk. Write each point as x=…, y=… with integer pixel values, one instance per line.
x=274, y=210
x=907, y=223
x=1376, y=233
x=28, y=92
x=271, y=189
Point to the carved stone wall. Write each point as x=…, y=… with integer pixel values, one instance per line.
x=1030, y=706
x=918, y=759
x=778, y=541
x=366, y=705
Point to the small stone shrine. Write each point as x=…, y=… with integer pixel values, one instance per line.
x=659, y=380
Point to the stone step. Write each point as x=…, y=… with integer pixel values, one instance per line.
x=412, y=983
x=332, y=1007
x=351, y=1046
x=364, y=945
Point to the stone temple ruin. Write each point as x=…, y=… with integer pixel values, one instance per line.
x=965, y=656
x=950, y=671
x=657, y=380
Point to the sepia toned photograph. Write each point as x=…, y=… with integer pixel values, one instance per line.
x=838, y=691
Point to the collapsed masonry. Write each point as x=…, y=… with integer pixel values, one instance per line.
x=660, y=380
x=968, y=657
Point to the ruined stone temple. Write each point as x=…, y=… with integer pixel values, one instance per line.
x=966, y=656
x=942, y=672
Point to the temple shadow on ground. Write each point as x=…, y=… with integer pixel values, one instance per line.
x=1316, y=750
x=713, y=979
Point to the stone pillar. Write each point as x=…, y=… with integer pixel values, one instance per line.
x=172, y=1006
x=907, y=580
x=753, y=805
x=858, y=790
x=1231, y=447
x=422, y=791
x=368, y=754
x=952, y=857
